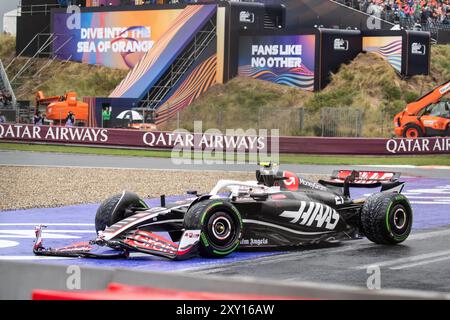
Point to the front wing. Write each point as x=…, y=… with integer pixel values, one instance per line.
x=133, y=241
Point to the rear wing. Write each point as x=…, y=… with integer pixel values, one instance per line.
x=364, y=179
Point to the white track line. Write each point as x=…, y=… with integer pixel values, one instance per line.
x=298, y=255
x=48, y=224
x=277, y=257
x=434, y=195
x=404, y=166
x=402, y=261
x=23, y=231
x=14, y=258
x=428, y=235
x=431, y=202
x=411, y=265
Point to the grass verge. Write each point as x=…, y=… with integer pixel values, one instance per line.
x=436, y=160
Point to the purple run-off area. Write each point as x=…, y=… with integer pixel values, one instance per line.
x=430, y=199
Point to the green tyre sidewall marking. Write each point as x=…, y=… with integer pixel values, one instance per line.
x=207, y=210
x=143, y=203
x=203, y=236
x=204, y=240
x=387, y=218
x=229, y=251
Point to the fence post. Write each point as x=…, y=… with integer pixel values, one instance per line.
x=259, y=117
x=322, y=121
x=341, y=121
x=301, y=112
x=219, y=118
x=360, y=122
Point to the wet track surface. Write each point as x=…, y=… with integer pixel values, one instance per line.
x=93, y=161
x=422, y=262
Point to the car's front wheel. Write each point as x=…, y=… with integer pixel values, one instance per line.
x=386, y=218
x=220, y=224
x=116, y=208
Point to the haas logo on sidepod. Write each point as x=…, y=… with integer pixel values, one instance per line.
x=313, y=214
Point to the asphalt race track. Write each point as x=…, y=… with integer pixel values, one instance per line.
x=422, y=262
x=102, y=161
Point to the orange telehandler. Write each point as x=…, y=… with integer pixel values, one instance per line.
x=57, y=107
x=428, y=116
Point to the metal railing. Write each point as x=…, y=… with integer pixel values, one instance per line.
x=409, y=23
x=47, y=42
x=290, y=121
x=432, y=26
x=6, y=84
x=35, y=9
x=177, y=69
x=341, y=122
x=31, y=60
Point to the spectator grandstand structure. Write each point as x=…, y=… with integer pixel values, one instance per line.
x=7, y=97
x=175, y=52
x=8, y=103
x=424, y=15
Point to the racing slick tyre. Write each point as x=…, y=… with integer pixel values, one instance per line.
x=117, y=208
x=220, y=224
x=412, y=131
x=386, y=218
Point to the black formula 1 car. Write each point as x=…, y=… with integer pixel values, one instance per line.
x=278, y=210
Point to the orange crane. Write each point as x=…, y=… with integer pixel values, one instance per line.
x=428, y=116
x=57, y=107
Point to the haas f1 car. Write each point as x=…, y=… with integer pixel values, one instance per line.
x=278, y=210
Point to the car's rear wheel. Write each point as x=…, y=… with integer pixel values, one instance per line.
x=116, y=208
x=386, y=218
x=412, y=131
x=220, y=224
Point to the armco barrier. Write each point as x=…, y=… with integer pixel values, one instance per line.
x=19, y=279
x=365, y=146
x=158, y=140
